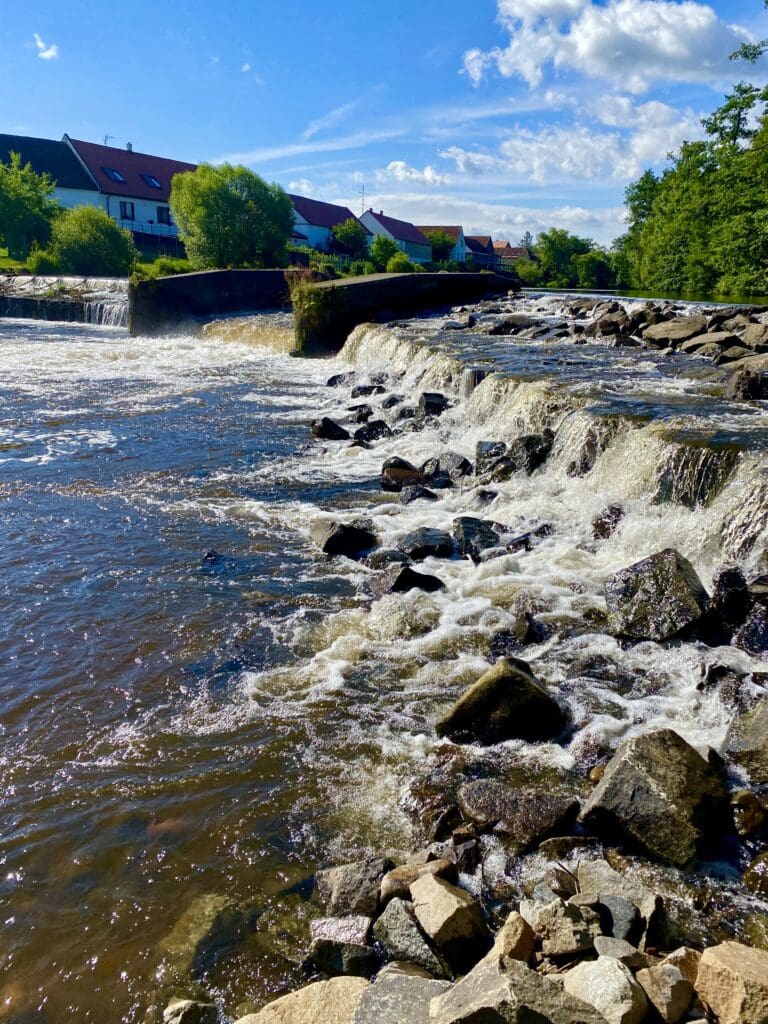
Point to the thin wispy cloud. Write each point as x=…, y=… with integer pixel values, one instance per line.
x=358, y=140
x=44, y=50
x=330, y=120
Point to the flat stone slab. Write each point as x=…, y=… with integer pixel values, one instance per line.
x=329, y=1002
x=398, y=997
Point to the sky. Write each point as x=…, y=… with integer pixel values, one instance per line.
x=504, y=116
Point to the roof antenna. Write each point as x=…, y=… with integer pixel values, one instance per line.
x=107, y=138
x=362, y=201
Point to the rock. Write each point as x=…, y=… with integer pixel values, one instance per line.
x=733, y=982
x=189, y=1011
x=656, y=598
x=513, y=324
x=526, y=630
x=471, y=376
x=509, y=994
x=748, y=813
x=401, y=938
x=398, y=996
x=372, y=431
x=730, y=355
x=604, y=525
x=398, y=881
x=473, y=536
x=506, y=702
x=609, y=986
x=614, y=892
x=350, y=539
x=621, y=950
x=659, y=794
x=753, y=635
x=526, y=816
x=340, y=946
x=385, y=558
x=397, y=473
x=452, y=919
x=401, y=578
x=425, y=543
x=361, y=412
x=674, y=332
x=417, y=493
x=391, y=401
x=529, y=452
x=746, y=742
x=722, y=339
x=667, y=991
x=686, y=961
x=353, y=889
x=487, y=454
x=756, y=876
x=515, y=940
x=454, y=466
x=431, y=403
x=566, y=928
x=620, y=918
x=324, y=1002
x=755, y=335
x=339, y=380
x=326, y=429
x=211, y=927
x=364, y=390
x=730, y=598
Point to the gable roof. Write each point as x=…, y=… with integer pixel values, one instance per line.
x=319, y=214
x=454, y=230
x=400, y=229
x=130, y=166
x=518, y=252
x=48, y=156
x=501, y=246
x=479, y=243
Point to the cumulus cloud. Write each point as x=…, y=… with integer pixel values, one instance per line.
x=634, y=42
x=302, y=186
x=399, y=170
x=45, y=51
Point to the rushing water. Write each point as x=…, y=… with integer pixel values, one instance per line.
x=193, y=700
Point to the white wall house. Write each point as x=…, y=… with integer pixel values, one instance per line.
x=406, y=236
x=74, y=185
x=459, y=251
x=314, y=221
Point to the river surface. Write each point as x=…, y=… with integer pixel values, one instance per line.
x=194, y=700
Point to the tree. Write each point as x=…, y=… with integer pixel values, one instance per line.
x=400, y=264
x=555, y=249
x=351, y=239
x=27, y=207
x=527, y=241
x=730, y=124
x=230, y=217
x=383, y=248
x=593, y=269
x=87, y=241
x=529, y=273
x=442, y=245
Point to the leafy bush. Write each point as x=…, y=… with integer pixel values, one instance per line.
x=41, y=262
x=400, y=264
x=357, y=268
x=351, y=238
x=327, y=268
x=87, y=241
x=382, y=251
x=167, y=265
x=27, y=207
x=370, y=268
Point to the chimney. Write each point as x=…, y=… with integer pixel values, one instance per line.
x=129, y=146
x=381, y=213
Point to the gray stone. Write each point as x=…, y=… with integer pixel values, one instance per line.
x=609, y=986
x=211, y=927
x=512, y=994
x=674, y=332
x=746, y=386
x=350, y=539
x=351, y=889
x=753, y=635
x=621, y=919
x=686, y=960
x=340, y=946
x=565, y=928
x=746, y=742
x=723, y=340
x=622, y=951
x=598, y=877
x=526, y=816
x=452, y=919
x=426, y=542
x=401, y=938
x=189, y=1011
x=660, y=795
x=398, y=881
x=755, y=335
x=399, y=579
x=656, y=598
x=398, y=997
x=507, y=702
x=667, y=990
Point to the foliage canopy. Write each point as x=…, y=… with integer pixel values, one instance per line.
x=27, y=207
x=351, y=239
x=87, y=241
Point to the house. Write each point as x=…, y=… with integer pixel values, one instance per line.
x=314, y=221
x=480, y=248
x=459, y=251
x=74, y=185
x=406, y=236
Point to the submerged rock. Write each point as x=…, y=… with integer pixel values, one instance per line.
x=350, y=539
x=605, y=524
x=506, y=702
x=332, y=1002
x=525, y=816
x=746, y=742
x=659, y=794
x=733, y=982
x=656, y=598
x=211, y=927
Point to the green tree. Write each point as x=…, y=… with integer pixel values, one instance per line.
x=351, y=239
x=529, y=272
x=731, y=123
x=593, y=269
x=230, y=217
x=556, y=249
x=400, y=264
x=383, y=249
x=87, y=241
x=442, y=245
x=527, y=241
x=27, y=207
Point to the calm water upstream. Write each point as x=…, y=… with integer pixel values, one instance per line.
x=193, y=700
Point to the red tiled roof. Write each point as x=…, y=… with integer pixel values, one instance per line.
x=319, y=214
x=400, y=229
x=454, y=230
x=130, y=166
x=501, y=246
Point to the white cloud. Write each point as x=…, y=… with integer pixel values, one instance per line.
x=264, y=154
x=329, y=120
x=634, y=42
x=245, y=68
x=44, y=51
x=302, y=186
x=398, y=170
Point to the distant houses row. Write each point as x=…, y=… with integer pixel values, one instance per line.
x=134, y=189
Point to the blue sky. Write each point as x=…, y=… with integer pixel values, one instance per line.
x=501, y=115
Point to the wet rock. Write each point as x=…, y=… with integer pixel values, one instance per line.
x=353, y=889
x=326, y=429
x=674, y=332
x=525, y=816
x=397, y=473
x=361, y=412
x=400, y=936
x=667, y=991
x=733, y=982
x=756, y=876
x=399, y=579
x=452, y=919
x=417, y=493
x=350, y=539
x=432, y=403
x=621, y=950
x=372, y=431
x=473, y=536
x=526, y=630
x=506, y=702
x=528, y=452
x=487, y=454
x=189, y=1011
x=406, y=412
x=722, y=339
x=211, y=927
x=364, y=390
x=746, y=742
x=660, y=795
x=608, y=324
x=385, y=558
x=339, y=380
x=604, y=525
x=753, y=635
x=340, y=946
x=656, y=598
x=747, y=386
x=332, y=1002
x=455, y=466
x=730, y=598
x=565, y=929
x=399, y=995
x=391, y=401
x=472, y=376
x=425, y=543
x=748, y=813
x=609, y=986
x=398, y=881
x=513, y=324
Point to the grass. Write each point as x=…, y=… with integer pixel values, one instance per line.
x=9, y=265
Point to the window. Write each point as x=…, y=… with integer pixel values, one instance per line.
x=151, y=180
x=114, y=175
x=126, y=211
x=163, y=215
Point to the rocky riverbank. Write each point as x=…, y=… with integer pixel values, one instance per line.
x=604, y=896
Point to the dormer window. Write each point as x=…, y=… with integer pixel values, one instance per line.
x=151, y=180
x=114, y=175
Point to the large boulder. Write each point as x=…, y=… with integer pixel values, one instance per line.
x=733, y=982
x=399, y=935
x=674, y=332
x=656, y=598
x=399, y=995
x=746, y=742
x=210, y=928
x=565, y=929
x=660, y=795
x=452, y=919
x=324, y=1002
x=350, y=539
x=507, y=702
x=426, y=542
x=353, y=889
x=752, y=636
x=525, y=816
x=474, y=536
x=609, y=986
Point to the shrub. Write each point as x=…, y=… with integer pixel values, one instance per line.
x=382, y=251
x=351, y=239
x=41, y=262
x=327, y=268
x=87, y=241
x=357, y=268
x=400, y=264
x=370, y=268
x=167, y=265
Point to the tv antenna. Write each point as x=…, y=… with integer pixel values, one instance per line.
x=362, y=200
x=107, y=138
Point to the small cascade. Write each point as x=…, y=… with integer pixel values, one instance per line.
x=106, y=314
x=97, y=301
x=694, y=474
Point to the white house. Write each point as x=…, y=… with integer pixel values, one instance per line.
x=314, y=221
x=74, y=185
x=459, y=251
x=405, y=235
